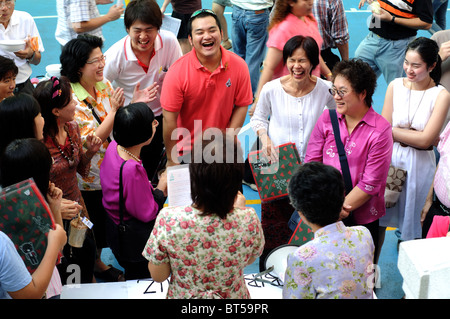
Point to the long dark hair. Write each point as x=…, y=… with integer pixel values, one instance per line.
x=53, y=93
x=429, y=52
x=17, y=114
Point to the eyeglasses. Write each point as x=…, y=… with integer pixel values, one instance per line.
x=97, y=60
x=341, y=93
x=7, y=3
x=196, y=13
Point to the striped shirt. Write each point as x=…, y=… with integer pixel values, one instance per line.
x=333, y=26
x=408, y=9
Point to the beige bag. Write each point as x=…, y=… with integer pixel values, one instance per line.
x=394, y=184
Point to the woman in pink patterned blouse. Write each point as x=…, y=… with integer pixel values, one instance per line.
x=205, y=246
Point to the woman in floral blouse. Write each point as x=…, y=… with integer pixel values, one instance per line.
x=205, y=246
x=338, y=262
x=82, y=61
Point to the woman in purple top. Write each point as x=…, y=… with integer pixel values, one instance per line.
x=134, y=127
x=367, y=139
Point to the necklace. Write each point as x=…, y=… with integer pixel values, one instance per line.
x=129, y=153
x=418, y=105
x=70, y=160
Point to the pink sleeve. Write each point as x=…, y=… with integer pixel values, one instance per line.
x=439, y=227
x=139, y=201
x=316, y=143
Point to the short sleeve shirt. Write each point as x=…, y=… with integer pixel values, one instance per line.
x=207, y=254
x=13, y=273
x=204, y=99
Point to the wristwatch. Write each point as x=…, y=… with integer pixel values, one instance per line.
x=393, y=20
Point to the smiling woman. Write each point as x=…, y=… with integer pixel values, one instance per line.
x=287, y=109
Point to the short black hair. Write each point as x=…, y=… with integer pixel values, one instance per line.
x=17, y=114
x=317, y=191
x=203, y=13
x=360, y=75
x=215, y=184
x=23, y=159
x=308, y=44
x=44, y=92
x=7, y=67
x=133, y=124
x=146, y=11
x=76, y=53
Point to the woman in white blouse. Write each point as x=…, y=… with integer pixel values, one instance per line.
x=288, y=107
x=287, y=110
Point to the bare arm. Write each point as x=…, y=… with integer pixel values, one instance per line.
x=169, y=125
x=41, y=277
x=113, y=14
x=159, y=273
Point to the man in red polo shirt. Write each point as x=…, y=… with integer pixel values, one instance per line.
x=208, y=87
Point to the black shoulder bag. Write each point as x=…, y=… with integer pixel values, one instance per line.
x=342, y=156
x=133, y=234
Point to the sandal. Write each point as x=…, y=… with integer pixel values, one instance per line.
x=110, y=275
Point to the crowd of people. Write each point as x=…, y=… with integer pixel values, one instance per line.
x=98, y=140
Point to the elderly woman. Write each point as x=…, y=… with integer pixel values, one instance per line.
x=82, y=61
x=8, y=73
x=417, y=107
x=205, y=246
x=287, y=110
x=62, y=138
x=367, y=140
x=122, y=171
x=337, y=263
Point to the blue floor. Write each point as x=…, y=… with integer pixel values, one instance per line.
x=44, y=13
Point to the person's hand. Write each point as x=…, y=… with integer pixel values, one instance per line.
x=267, y=149
x=54, y=198
x=93, y=143
x=444, y=51
x=362, y=3
x=27, y=52
x=384, y=15
x=103, y=1
x=425, y=209
x=115, y=12
x=145, y=95
x=239, y=201
x=69, y=209
x=117, y=99
x=57, y=237
x=345, y=211
x=162, y=183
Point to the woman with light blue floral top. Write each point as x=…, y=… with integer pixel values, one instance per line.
x=338, y=262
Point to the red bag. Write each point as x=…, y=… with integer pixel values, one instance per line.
x=272, y=179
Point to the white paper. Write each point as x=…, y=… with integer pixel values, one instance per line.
x=179, y=185
x=171, y=24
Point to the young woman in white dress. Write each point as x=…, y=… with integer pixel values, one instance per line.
x=416, y=106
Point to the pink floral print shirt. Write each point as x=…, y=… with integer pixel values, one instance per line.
x=337, y=263
x=207, y=255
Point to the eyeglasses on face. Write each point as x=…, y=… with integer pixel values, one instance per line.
x=341, y=93
x=7, y=3
x=97, y=60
